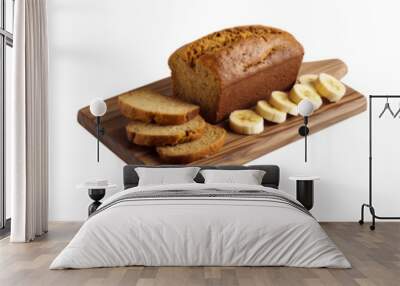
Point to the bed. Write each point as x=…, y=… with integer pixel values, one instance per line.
x=201, y=224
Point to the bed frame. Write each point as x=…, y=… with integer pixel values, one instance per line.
x=271, y=177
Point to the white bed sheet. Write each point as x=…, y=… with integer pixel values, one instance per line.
x=200, y=231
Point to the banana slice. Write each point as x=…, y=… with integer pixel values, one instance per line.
x=304, y=91
x=246, y=122
x=308, y=78
x=269, y=112
x=329, y=87
x=281, y=101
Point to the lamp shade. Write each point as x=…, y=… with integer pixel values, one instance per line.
x=98, y=107
x=305, y=108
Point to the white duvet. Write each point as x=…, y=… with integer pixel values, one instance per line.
x=200, y=231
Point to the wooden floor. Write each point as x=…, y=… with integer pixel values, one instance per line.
x=375, y=257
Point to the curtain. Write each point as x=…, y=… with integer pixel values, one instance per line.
x=28, y=148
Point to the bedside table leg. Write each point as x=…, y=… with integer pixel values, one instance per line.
x=96, y=195
x=305, y=193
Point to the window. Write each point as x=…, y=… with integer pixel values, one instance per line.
x=6, y=43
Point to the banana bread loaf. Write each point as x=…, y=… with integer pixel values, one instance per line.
x=234, y=68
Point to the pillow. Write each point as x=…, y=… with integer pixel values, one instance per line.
x=248, y=177
x=163, y=176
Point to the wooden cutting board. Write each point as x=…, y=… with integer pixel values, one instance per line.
x=238, y=149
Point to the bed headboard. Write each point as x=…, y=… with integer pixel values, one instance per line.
x=271, y=177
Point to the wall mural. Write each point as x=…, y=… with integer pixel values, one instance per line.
x=232, y=97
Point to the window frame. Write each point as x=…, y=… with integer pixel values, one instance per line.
x=6, y=39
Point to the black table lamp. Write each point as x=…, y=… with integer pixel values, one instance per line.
x=98, y=108
x=305, y=108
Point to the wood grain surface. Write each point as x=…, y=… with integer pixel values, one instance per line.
x=238, y=149
x=374, y=256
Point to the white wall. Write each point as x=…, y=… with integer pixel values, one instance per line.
x=102, y=47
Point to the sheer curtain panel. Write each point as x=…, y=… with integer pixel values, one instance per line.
x=28, y=117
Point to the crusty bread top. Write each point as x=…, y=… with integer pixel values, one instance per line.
x=240, y=51
x=148, y=105
x=151, y=129
x=213, y=138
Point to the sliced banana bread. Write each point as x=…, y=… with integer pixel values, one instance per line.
x=150, y=134
x=211, y=142
x=234, y=68
x=149, y=106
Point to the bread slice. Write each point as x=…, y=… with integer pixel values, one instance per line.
x=150, y=134
x=211, y=142
x=149, y=106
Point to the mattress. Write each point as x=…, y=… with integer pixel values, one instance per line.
x=201, y=225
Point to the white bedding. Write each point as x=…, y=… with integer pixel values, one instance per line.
x=183, y=231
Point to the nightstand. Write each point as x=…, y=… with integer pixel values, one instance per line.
x=96, y=193
x=305, y=190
